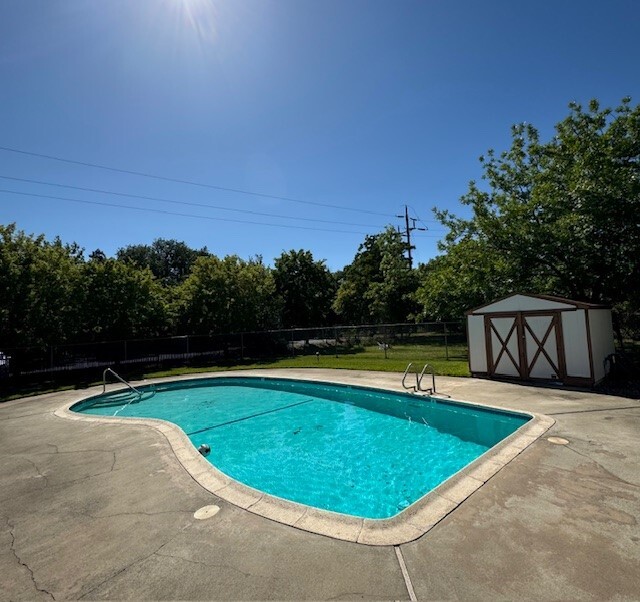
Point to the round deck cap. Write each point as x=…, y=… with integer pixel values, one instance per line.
x=558, y=440
x=206, y=512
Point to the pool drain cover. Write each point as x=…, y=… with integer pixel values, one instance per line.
x=206, y=512
x=558, y=440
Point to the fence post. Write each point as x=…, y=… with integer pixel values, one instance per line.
x=241, y=346
x=335, y=339
x=446, y=342
x=51, y=357
x=125, y=350
x=293, y=349
x=385, y=345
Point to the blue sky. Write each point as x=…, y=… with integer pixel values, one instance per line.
x=362, y=105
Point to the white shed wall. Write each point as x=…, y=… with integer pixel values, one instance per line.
x=602, y=343
x=477, y=346
x=576, y=347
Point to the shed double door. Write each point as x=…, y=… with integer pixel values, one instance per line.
x=525, y=345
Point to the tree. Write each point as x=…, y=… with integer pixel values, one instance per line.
x=228, y=295
x=37, y=284
x=466, y=276
x=561, y=217
x=169, y=260
x=306, y=287
x=97, y=255
x=378, y=285
x=117, y=300
x=350, y=303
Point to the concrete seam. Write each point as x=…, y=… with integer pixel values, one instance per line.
x=613, y=477
x=596, y=410
x=405, y=574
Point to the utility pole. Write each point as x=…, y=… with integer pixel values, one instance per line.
x=408, y=230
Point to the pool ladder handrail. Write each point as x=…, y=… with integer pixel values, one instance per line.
x=404, y=377
x=418, y=386
x=122, y=380
x=433, y=379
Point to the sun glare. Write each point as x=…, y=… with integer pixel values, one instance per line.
x=201, y=16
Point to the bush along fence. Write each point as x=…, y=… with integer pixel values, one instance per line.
x=132, y=356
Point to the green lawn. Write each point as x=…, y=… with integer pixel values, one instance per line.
x=364, y=358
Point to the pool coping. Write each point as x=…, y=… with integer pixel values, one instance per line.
x=406, y=526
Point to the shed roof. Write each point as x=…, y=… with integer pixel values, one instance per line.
x=524, y=301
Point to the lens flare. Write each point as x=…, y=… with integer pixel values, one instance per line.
x=201, y=16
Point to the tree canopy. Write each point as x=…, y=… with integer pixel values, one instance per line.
x=556, y=217
x=37, y=282
x=228, y=295
x=169, y=260
x=115, y=300
x=378, y=286
x=307, y=289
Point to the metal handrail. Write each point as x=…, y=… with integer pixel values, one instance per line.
x=122, y=380
x=418, y=386
x=404, y=376
x=433, y=379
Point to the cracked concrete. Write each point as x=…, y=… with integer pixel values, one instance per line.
x=12, y=547
x=98, y=511
x=122, y=570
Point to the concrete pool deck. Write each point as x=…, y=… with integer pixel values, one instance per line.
x=106, y=511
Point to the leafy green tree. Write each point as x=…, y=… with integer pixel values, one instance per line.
x=466, y=276
x=391, y=298
x=169, y=260
x=560, y=217
x=228, y=295
x=97, y=255
x=350, y=303
x=378, y=285
x=306, y=287
x=37, y=284
x=117, y=300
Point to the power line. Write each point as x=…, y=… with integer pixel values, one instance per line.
x=187, y=203
x=163, y=212
x=429, y=235
x=174, y=213
x=189, y=182
x=417, y=218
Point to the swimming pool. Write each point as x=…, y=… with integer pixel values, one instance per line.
x=357, y=451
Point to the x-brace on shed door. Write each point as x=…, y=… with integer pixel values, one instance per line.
x=525, y=345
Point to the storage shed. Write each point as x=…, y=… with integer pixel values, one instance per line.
x=538, y=337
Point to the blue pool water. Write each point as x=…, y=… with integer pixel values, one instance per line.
x=363, y=452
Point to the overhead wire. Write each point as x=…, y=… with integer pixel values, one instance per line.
x=189, y=182
x=174, y=213
x=421, y=220
x=186, y=203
